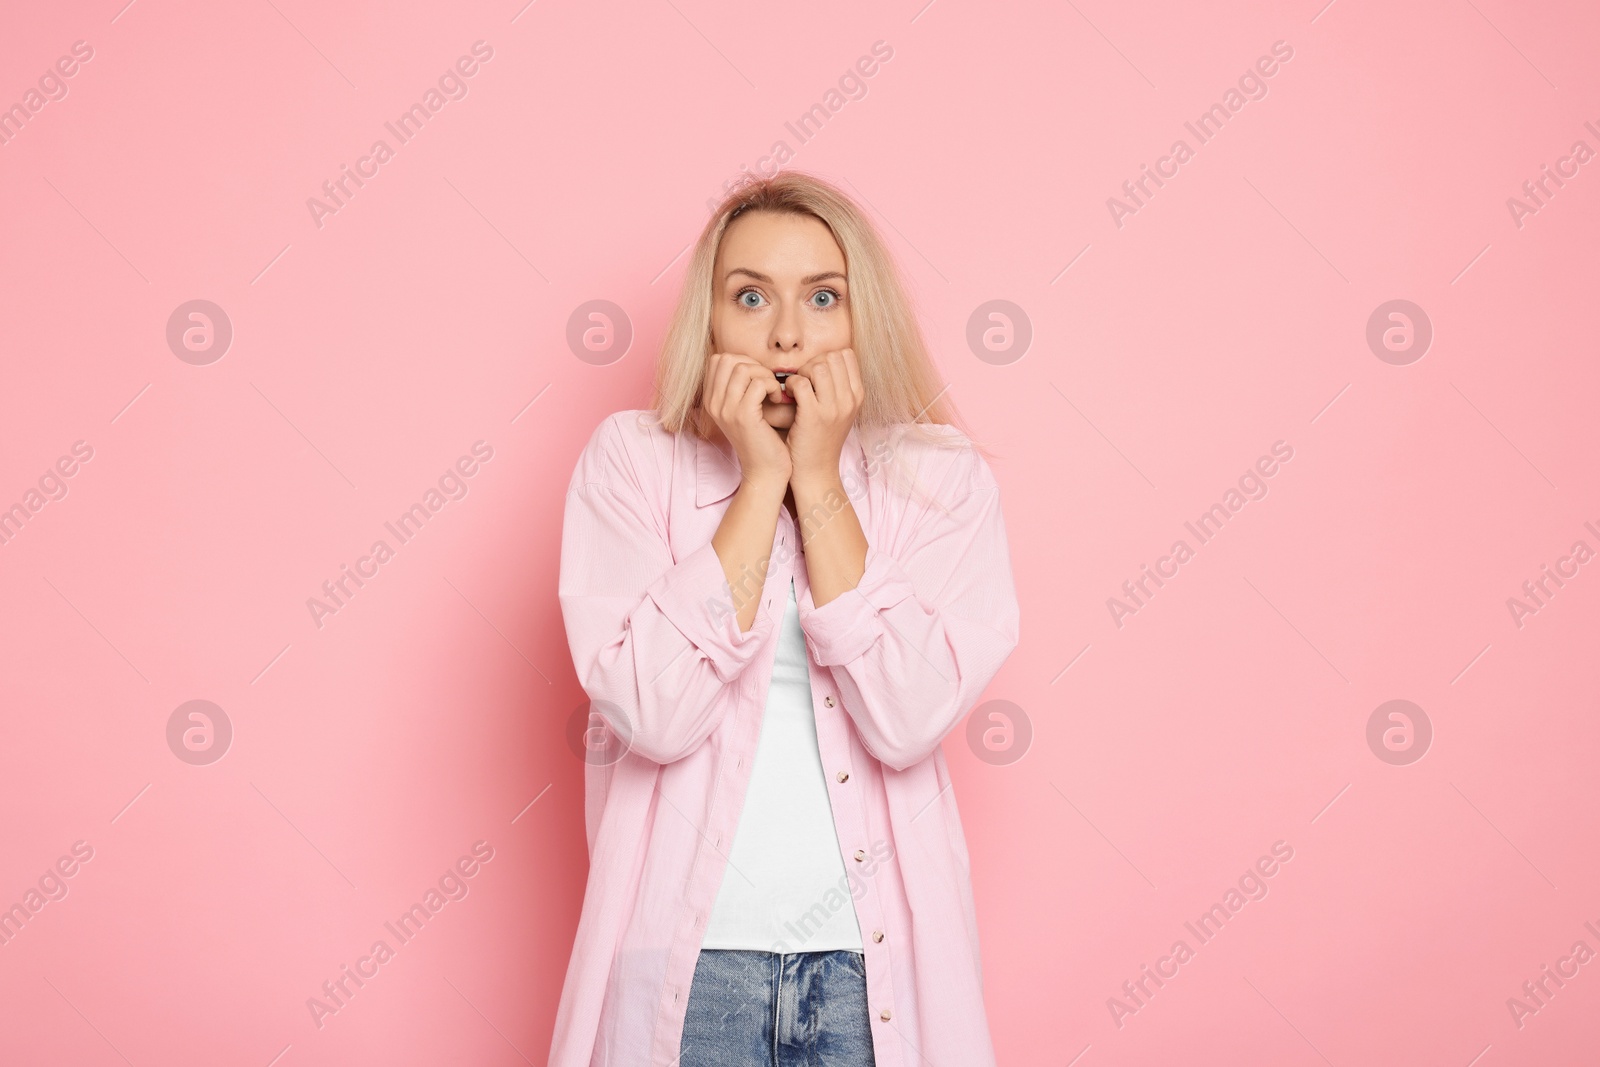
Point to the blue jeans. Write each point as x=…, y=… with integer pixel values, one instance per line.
x=769, y=1009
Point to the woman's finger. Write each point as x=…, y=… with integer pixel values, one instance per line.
x=715, y=384
x=752, y=383
x=815, y=375
x=755, y=390
x=853, y=371
x=805, y=397
x=827, y=382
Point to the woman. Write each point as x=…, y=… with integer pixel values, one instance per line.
x=782, y=588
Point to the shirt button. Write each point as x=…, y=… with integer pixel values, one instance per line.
x=884, y=1015
x=843, y=776
x=860, y=855
x=829, y=702
x=877, y=935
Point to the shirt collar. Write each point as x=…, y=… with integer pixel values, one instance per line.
x=717, y=473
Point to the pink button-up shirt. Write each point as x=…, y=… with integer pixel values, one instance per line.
x=679, y=690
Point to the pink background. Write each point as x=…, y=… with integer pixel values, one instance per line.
x=431, y=312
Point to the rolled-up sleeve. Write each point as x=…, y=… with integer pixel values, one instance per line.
x=654, y=640
x=926, y=629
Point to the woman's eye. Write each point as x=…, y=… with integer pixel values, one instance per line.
x=751, y=298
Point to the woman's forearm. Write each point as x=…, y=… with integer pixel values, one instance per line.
x=744, y=542
x=835, y=546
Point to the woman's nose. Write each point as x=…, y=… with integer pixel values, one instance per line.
x=786, y=329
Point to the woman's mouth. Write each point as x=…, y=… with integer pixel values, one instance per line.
x=784, y=397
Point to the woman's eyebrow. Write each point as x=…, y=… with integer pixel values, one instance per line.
x=803, y=281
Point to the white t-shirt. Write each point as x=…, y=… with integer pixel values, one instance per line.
x=785, y=888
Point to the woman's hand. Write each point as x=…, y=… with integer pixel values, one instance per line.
x=828, y=394
x=735, y=387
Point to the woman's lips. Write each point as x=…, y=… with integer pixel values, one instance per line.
x=783, y=397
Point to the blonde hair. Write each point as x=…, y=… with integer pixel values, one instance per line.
x=903, y=392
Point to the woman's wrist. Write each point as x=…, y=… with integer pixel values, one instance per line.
x=766, y=486
x=815, y=483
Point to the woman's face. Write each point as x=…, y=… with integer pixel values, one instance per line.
x=779, y=296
